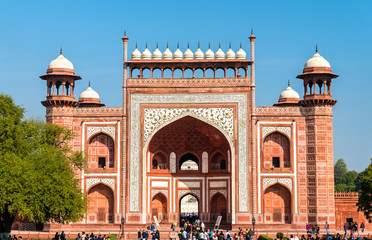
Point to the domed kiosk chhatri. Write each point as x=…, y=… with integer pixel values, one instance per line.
x=200, y=135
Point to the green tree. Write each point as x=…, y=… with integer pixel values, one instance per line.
x=365, y=193
x=345, y=181
x=339, y=170
x=36, y=170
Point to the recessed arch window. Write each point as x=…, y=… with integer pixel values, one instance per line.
x=189, y=162
x=276, y=149
x=159, y=161
x=101, y=151
x=218, y=162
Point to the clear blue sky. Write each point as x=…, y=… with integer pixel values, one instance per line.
x=31, y=33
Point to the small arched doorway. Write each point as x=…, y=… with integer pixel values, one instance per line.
x=100, y=204
x=189, y=209
x=159, y=207
x=218, y=207
x=277, y=204
x=189, y=162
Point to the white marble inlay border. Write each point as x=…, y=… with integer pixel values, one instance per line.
x=266, y=182
x=267, y=130
x=110, y=130
x=108, y=181
x=135, y=138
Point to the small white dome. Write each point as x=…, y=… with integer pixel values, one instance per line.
x=209, y=54
x=61, y=62
x=289, y=93
x=199, y=54
x=167, y=53
x=89, y=93
x=136, y=54
x=317, y=61
x=157, y=54
x=188, y=53
x=146, y=54
x=178, y=53
x=220, y=54
x=230, y=53
x=240, y=54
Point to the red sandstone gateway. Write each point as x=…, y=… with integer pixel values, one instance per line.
x=189, y=141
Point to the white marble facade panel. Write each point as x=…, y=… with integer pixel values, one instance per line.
x=242, y=149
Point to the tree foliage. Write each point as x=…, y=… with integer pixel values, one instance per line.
x=36, y=174
x=345, y=180
x=365, y=193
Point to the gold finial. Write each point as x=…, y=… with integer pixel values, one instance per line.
x=60, y=51
x=316, y=48
x=167, y=44
x=219, y=44
x=240, y=44
x=198, y=44
x=229, y=45
x=178, y=44
x=125, y=33
x=157, y=44
x=251, y=31
x=136, y=44
x=289, y=83
x=89, y=83
x=146, y=44
x=188, y=44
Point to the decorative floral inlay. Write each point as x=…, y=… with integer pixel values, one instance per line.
x=271, y=181
x=267, y=130
x=156, y=191
x=110, y=130
x=108, y=181
x=222, y=191
x=192, y=191
x=155, y=117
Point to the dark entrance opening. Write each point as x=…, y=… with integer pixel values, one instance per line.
x=189, y=209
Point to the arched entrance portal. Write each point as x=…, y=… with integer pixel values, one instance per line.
x=159, y=207
x=277, y=204
x=190, y=150
x=218, y=207
x=100, y=204
x=189, y=209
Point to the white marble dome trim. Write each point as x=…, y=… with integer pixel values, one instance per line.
x=289, y=93
x=107, y=181
x=267, y=182
x=110, y=130
x=267, y=130
x=317, y=61
x=61, y=62
x=89, y=93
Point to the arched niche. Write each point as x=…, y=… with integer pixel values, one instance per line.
x=159, y=162
x=159, y=207
x=101, y=151
x=218, y=162
x=198, y=137
x=276, y=151
x=218, y=207
x=100, y=204
x=189, y=162
x=277, y=204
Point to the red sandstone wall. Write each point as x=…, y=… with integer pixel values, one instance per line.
x=345, y=204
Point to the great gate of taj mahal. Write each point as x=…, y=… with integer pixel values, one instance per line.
x=189, y=128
